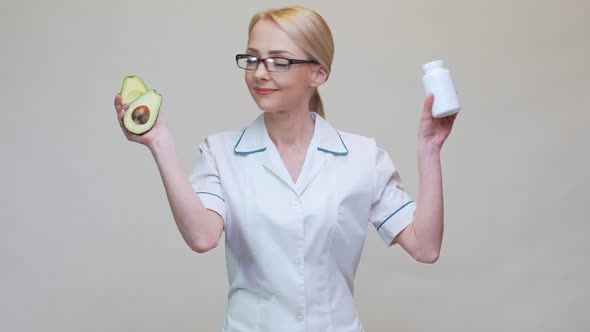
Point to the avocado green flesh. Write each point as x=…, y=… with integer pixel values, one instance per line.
x=133, y=87
x=152, y=100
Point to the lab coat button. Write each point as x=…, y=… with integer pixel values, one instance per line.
x=299, y=318
x=295, y=204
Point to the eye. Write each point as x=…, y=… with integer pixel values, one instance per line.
x=251, y=59
x=280, y=62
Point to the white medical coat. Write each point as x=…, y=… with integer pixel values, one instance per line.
x=292, y=249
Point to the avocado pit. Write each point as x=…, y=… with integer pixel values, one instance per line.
x=140, y=114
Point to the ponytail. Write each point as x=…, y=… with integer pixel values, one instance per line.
x=315, y=103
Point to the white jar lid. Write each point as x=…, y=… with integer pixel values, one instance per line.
x=432, y=64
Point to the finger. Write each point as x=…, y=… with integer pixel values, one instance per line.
x=122, y=127
x=428, y=102
x=122, y=109
x=129, y=135
x=118, y=103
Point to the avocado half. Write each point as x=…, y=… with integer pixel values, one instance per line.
x=143, y=112
x=132, y=88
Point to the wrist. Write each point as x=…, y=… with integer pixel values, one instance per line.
x=161, y=143
x=428, y=150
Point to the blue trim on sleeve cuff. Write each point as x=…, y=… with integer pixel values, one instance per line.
x=205, y=192
x=403, y=206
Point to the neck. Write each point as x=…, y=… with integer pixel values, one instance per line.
x=289, y=129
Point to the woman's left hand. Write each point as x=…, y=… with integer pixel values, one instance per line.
x=434, y=131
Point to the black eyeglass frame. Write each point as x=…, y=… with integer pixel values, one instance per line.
x=290, y=61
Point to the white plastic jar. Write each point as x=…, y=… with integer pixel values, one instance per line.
x=438, y=81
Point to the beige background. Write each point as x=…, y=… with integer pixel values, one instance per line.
x=87, y=240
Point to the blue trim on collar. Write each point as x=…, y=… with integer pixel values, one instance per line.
x=334, y=152
x=245, y=152
x=315, y=115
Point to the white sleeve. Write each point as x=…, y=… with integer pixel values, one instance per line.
x=205, y=180
x=392, y=208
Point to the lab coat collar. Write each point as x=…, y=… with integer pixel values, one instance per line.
x=255, y=139
x=326, y=144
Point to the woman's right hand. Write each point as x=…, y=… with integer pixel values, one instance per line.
x=159, y=132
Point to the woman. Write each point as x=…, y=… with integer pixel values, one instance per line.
x=292, y=193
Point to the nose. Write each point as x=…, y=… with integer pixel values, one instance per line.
x=260, y=72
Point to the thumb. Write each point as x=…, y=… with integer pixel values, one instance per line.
x=428, y=102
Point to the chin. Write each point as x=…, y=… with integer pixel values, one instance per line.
x=267, y=105
x=269, y=110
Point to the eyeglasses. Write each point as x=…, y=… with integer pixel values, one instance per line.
x=272, y=64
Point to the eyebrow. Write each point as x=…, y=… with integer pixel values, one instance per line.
x=271, y=52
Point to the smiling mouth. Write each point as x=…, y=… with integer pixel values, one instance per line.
x=264, y=92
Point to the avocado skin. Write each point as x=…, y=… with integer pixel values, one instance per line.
x=133, y=87
x=152, y=100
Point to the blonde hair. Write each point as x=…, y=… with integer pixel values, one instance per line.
x=309, y=30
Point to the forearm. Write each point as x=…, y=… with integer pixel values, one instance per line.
x=428, y=219
x=192, y=218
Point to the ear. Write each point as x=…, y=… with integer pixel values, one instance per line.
x=319, y=75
